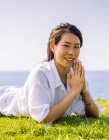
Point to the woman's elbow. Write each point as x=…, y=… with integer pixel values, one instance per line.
x=93, y=115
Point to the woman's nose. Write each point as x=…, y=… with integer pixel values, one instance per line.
x=71, y=51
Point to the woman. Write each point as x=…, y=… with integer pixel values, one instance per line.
x=54, y=88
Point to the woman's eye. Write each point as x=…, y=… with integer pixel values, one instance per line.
x=66, y=46
x=76, y=47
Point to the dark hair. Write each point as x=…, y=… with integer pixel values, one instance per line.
x=58, y=32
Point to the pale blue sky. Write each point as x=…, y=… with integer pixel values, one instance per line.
x=25, y=26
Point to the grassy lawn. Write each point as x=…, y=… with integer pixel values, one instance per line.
x=69, y=128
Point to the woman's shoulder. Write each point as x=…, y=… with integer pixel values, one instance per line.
x=40, y=73
x=41, y=70
x=42, y=67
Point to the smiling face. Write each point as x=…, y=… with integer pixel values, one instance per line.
x=66, y=51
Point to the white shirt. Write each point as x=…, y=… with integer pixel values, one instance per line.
x=42, y=90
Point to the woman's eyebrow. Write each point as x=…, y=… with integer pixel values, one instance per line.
x=77, y=44
x=70, y=43
x=67, y=42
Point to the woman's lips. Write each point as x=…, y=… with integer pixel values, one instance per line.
x=71, y=60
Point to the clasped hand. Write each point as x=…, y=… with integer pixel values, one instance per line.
x=76, y=80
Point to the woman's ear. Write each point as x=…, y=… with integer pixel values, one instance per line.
x=52, y=48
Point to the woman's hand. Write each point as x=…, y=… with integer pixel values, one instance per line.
x=84, y=89
x=76, y=80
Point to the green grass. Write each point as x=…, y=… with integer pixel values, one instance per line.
x=69, y=128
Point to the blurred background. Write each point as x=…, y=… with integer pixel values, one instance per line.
x=25, y=26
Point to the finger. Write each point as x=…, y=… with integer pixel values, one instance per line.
x=83, y=73
x=79, y=68
x=76, y=67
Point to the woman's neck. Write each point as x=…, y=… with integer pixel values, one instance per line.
x=62, y=73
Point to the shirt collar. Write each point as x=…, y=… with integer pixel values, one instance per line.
x=56, y=76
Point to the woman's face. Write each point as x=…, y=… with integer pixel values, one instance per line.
x=67, y=50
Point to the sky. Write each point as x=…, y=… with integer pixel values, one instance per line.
x=25, y=26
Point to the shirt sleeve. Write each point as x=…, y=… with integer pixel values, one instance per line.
x=39, y=96
x=79, y=108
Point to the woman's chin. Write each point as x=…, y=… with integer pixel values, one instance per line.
x=69, y=66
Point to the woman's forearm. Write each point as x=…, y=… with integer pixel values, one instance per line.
x=91, y=108
x=60, y=108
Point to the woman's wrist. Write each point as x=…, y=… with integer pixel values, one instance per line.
x=86, y=97
x=85, y=91
x=73, y=93
x=89, y=102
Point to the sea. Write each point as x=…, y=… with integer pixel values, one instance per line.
x=98, y=81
